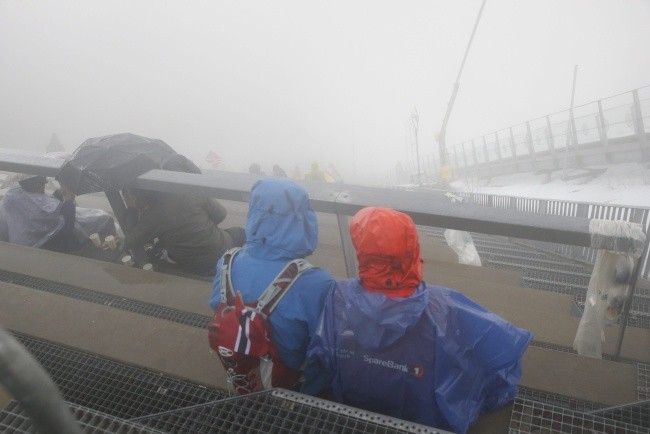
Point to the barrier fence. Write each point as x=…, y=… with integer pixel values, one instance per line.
x=587, y=210
x=593, y=128
x=561, y=133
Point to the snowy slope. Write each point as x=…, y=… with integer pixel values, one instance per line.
x=621, y=184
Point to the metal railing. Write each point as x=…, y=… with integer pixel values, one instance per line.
x=596, y=125
x=425, y=208
x=566, y=208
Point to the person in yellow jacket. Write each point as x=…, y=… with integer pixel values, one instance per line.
x=317, y=174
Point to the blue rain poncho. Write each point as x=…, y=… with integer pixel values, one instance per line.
x=31, y=219
x=435, y=357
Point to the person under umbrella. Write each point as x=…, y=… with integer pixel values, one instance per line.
x=185, y=227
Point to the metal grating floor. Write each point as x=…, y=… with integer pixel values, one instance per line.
x=113, y=301
x=637, y=413
x=114, y=388
x=13, y=420
x=278, y=411
x=530, y=416
x=643, y=382
x=558, y=400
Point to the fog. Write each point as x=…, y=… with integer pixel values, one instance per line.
x=291, y=82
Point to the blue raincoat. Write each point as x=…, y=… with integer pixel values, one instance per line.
x=435, y=358
x=31, y=219
x=281, y=226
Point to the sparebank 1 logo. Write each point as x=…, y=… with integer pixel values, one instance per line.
x=417, y=371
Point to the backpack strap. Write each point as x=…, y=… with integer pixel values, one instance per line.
x=273, y=293
x=227, y=291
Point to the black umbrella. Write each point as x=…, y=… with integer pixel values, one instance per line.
x=110, y=163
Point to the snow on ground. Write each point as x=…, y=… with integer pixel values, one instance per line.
x=620, y=184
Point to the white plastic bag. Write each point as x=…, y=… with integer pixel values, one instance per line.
x=617, y=236
x=605, y=298
x=609, y=281
x=461, y=242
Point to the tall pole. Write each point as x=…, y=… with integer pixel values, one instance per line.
x=450, y=105
x=415, y=121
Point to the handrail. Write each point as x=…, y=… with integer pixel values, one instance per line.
x=558, y=112
x=425, y=208
x=525, y=146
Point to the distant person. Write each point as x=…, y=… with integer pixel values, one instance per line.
x=255, y=169
x=397, y=346
x=54, y=145
x=35, y=219
x=281, y=227
x=279, y=172
x=316, y=173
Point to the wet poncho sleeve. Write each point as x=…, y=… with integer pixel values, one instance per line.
x=478, y=358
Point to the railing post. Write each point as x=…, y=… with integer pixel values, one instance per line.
x=485, y=151
x=550, y=141
x=464, y=157
x=498, y=145
x=349, y=255
x=628, y=300
x=531, y=147
x=549, y=136
x=348, y=247
x=573, y=131
x=639, y=128
x=513, y=148
x=456, y=157
x=602, y=131
x=474, y=153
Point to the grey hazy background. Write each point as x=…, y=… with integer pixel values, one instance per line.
x=290, y=82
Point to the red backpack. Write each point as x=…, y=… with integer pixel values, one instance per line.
x=241, y=334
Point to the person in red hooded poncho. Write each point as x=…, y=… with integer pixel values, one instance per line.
x=397, y=346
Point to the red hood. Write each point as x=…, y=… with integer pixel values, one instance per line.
x=388, y=251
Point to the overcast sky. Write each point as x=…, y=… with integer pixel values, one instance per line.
x=290, y=82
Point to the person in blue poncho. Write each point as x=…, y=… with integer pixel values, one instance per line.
x=35, y=219
x=397, y=346
x=281, y=226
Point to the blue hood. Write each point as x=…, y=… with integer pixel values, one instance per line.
x=378, y=321
x=281, y=223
